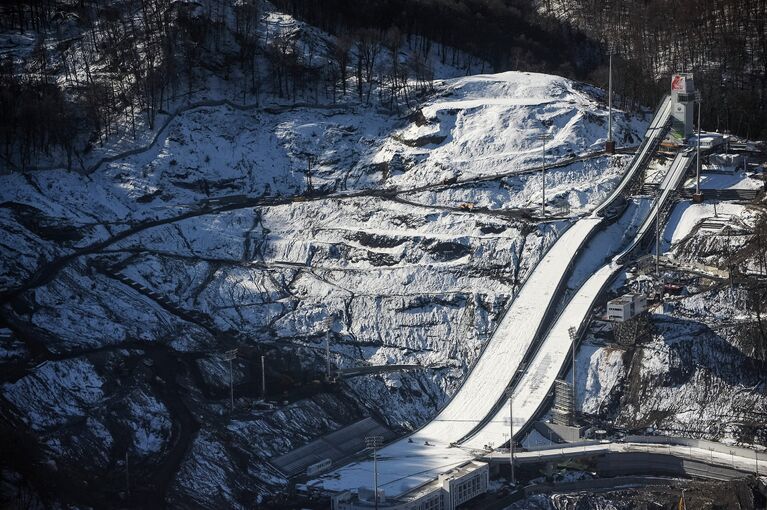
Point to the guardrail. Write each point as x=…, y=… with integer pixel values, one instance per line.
x=542, y=327
x=701, y=444
x=657, y=210
x=706, y=453
x=595, y=484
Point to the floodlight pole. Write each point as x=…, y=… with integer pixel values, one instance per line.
x=610, y=101
x=610, y=144
x=263, y=379
x=329, y=325
x=543, y=176
x=697, y=173
x=229, y=356
x=374, y=442
x=573, y=339
x=657, y=243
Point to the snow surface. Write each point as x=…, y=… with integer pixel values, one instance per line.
x=737, y=180
x=687, y=215
x=549, y=359
x=421, y=456
x=543, y=370
x=653, y=133
x=573, y=189
x=371, y=264
x=56, y=393
x=399, y=282
x=491, y=124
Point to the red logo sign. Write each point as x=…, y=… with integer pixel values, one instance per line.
x=677, y=83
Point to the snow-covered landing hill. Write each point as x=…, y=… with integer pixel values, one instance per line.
x=121, y=289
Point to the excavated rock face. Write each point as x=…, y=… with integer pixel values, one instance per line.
x=119, y=355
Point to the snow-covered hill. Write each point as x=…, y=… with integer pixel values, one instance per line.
x=272, y=228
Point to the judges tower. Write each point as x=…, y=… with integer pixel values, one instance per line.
x=682, y=106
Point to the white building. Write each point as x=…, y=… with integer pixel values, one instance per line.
x=451, y=489
x=626, y=307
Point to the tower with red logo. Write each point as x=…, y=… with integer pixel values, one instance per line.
x=682, y=106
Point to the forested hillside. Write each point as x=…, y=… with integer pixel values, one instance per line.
x=724, y=42
x=74, y=74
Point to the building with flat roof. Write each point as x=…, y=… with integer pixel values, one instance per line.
x=626, y=307
x=455, y=487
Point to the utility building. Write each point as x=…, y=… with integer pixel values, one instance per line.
x=682, y=106
x=626, y=307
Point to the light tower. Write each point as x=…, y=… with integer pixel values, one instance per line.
x=230, y=356
x=610, y=143
x=573, y=332
x=263, y=378
x=698, y=196
x=510, y=394
x=328, y=326
x=374, y=442
x=543, y=174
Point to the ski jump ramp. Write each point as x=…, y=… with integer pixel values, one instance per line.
x=550, y=359
x=475, y=416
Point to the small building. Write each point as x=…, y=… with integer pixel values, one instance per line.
x=626, y=307
x=452, y=488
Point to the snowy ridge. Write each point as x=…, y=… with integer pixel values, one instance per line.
x=486, y=125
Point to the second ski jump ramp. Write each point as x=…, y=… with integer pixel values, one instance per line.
x=549, y=361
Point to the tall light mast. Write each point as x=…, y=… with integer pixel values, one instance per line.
x=610, y=144
x=543, y=175
x=374, y=442
x=698, y=197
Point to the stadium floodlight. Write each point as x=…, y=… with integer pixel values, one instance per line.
x=374, y=442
